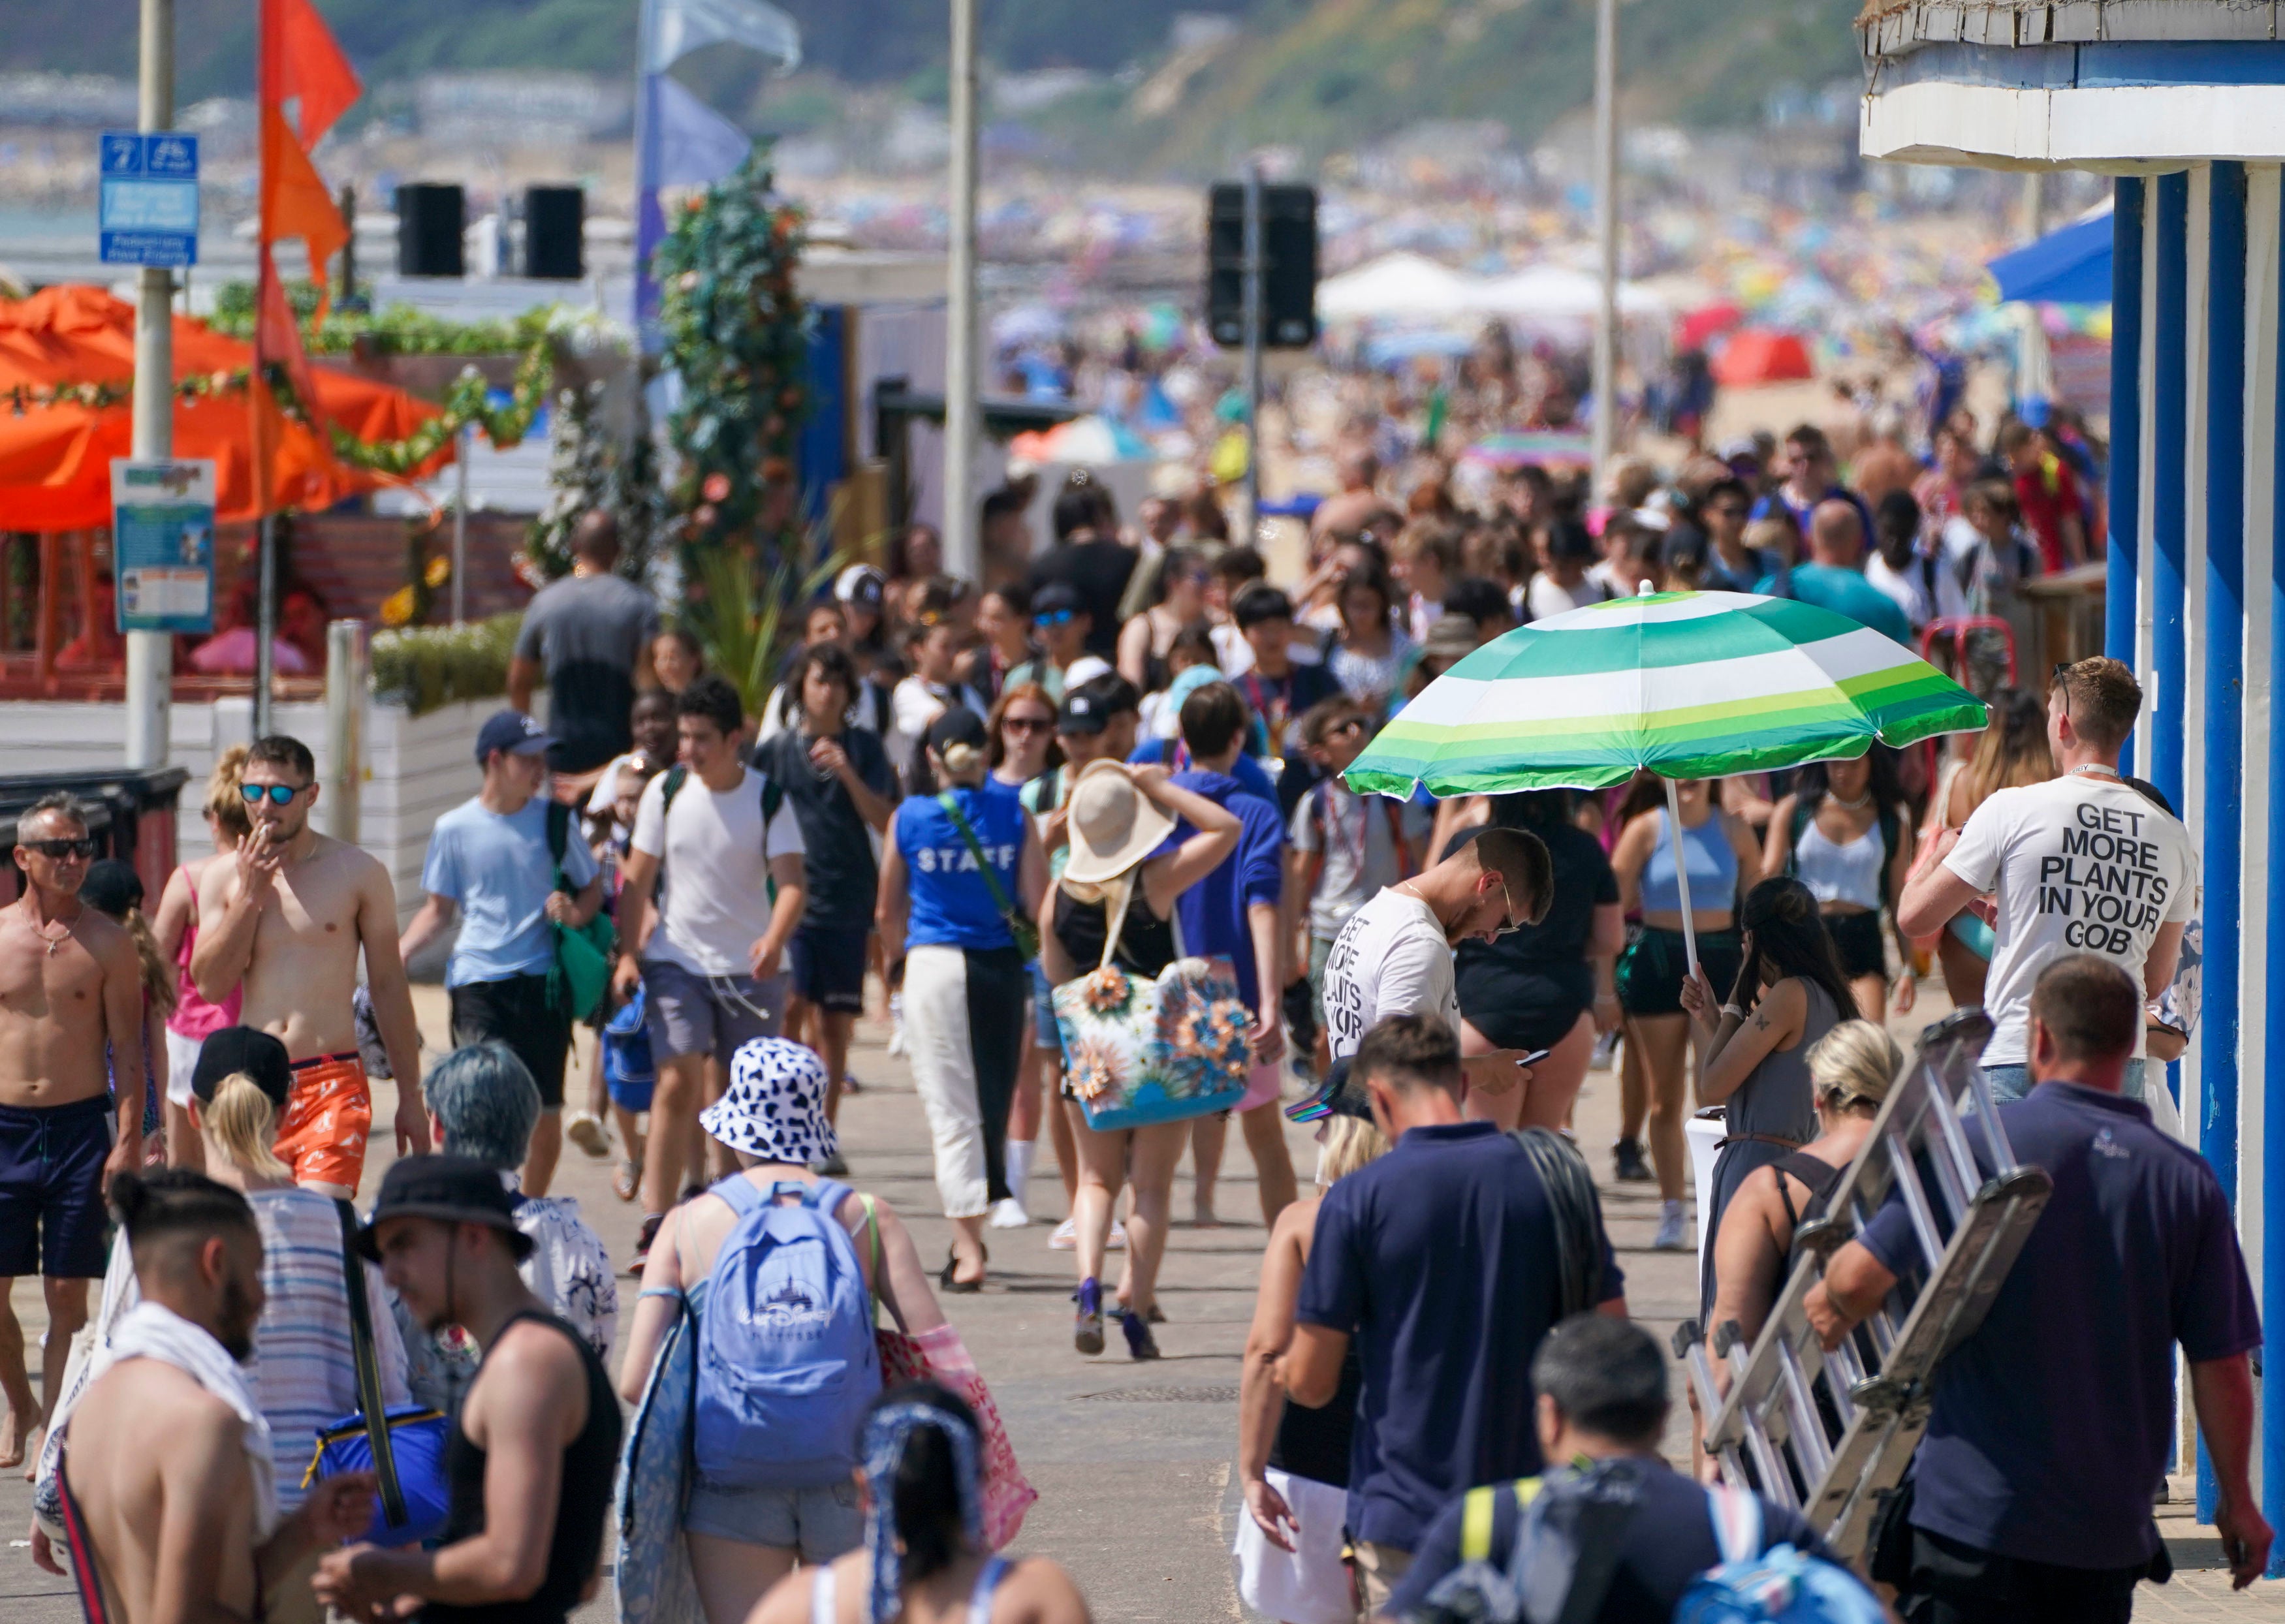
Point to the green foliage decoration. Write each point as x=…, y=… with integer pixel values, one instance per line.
x=424, y=667
x=590, y=468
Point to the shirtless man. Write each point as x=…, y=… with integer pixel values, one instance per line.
x=69, y=985
x=189, y=1534
x=287, y=920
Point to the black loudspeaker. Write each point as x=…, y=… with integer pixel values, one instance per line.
x=1288, y=274
x=429, y=219
x=554, y=221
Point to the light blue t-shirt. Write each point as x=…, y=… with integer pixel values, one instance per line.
x=499, y=871
x=1844, y=592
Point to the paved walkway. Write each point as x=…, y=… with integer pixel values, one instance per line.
x=1132, y=1463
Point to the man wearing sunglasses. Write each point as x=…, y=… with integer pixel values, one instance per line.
x=1061, y=627
x=70, y=984
x=1395, y=954
x=286, y=923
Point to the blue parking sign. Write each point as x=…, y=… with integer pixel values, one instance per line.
x=148, y=198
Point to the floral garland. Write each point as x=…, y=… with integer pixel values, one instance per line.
x=466, y=401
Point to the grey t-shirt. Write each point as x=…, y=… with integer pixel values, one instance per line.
x=589, y=632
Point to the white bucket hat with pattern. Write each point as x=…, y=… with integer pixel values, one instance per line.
x=775, y=1107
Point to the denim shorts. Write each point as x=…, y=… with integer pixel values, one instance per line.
x=1046, y=1034
x=820, y=1523
x=2010, y=1083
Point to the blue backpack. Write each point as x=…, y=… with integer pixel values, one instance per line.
x=1777, y=1586
x=787, y=1362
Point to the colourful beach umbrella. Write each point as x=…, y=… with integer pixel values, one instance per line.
x=1685, y=685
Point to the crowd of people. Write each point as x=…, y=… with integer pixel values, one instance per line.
x=1123, y=754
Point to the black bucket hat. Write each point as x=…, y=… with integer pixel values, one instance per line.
x=456, y=1190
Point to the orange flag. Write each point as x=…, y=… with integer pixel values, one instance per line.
x=294, y=202
x=310, y=67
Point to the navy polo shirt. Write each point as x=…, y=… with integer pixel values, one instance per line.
x=2050, y=1424
x=1438, y=1259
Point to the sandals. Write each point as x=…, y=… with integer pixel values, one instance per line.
x=626, y=1182
x=1087, y=1329
x=964, y=1287
x=1140, y=1343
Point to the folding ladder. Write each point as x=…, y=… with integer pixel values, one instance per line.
x=1825, y=1434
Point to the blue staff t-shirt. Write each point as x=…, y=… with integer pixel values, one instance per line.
x=952, y=906
x=2050, y=1424
x=1212, y=912
x=498, y=870
x=1439, y=1260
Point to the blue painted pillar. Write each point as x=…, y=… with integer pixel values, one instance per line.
x=2125, y=498
x=2169, y=409
x=2271, y=912
x=2220, y=835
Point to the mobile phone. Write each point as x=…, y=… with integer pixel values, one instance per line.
x=1534, y=1058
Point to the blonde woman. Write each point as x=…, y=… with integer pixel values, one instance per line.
x=1850, y=1069
x=303, y=1375
x=1119, y=888
x=1293, y=1463
x=175, y=929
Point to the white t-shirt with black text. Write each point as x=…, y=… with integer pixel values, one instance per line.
x=2079, y=864
x=1391, y=958
x=717, y=870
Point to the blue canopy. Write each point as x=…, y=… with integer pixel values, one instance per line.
x=2072, y=266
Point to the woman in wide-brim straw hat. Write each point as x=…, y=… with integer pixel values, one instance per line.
x=1122, y=868
x=771, y=1117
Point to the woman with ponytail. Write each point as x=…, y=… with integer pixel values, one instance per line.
x=920, y=1481
x=962, y=873
x=113, y=889
x=175, y=932
x=1791, y=990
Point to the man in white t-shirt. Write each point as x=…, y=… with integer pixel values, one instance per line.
x=715, y=839
x=2082, y=863
x=1394, y=955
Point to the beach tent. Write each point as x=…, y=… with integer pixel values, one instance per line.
x=1398, y=283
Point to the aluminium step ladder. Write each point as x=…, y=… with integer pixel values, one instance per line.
x=1827, y=1433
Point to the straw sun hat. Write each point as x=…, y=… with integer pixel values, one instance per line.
x=1113, y=824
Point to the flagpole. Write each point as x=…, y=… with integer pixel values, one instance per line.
x=265, y=67
x=961, y=552
x=647, y=211
x=151, y=655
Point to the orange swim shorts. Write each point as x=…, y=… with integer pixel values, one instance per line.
x=328, y=1115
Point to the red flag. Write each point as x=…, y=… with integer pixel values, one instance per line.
x=294, y=202
x=310, y=67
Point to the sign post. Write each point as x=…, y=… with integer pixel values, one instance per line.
x=162, y=529
x=148, y=206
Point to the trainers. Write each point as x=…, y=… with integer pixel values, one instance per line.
x=1670, y=1229
x=1087, y=1329
x=1140, y=1343
x=850, y=1084
x=1065, y=1238
x=1009, y=1214
x=585, y=1130
x=1118, y=1241
x=1627, y=1164
x=643, y=1238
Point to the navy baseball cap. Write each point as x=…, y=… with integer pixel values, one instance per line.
x=514, y=732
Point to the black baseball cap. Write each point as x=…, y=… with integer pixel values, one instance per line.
x=1335, y=1097
x=1056, y=597
x=249, y=1049
x=112, y=887
x=454, y=1190
x=1089, y=707
x=511, y=731
x=957, y=726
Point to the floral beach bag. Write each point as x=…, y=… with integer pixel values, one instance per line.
x=1139, y=1051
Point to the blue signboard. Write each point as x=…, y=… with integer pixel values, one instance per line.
x=148, y=213
x=162, y=544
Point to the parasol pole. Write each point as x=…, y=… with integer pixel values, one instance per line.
x=1681, y=871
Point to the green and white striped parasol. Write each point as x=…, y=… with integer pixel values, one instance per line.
x=1687, y=685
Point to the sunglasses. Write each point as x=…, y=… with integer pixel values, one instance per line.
x=280, y=795
x=1025, y=724
x=1509, y=923
x=62, y=847
x=1355, y=724
x=1059, y=617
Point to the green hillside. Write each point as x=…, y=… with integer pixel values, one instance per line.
x=1320, y=74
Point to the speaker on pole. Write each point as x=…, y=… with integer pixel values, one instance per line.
x=430, y=217
x=555, y=219
x=1289, y=255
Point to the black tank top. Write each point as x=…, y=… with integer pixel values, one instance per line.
x=1821, y=1177
x=1314, y=1443
x=590, y=1463
x=1146, y=943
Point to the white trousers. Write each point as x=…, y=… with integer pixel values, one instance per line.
x=944, y=1070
